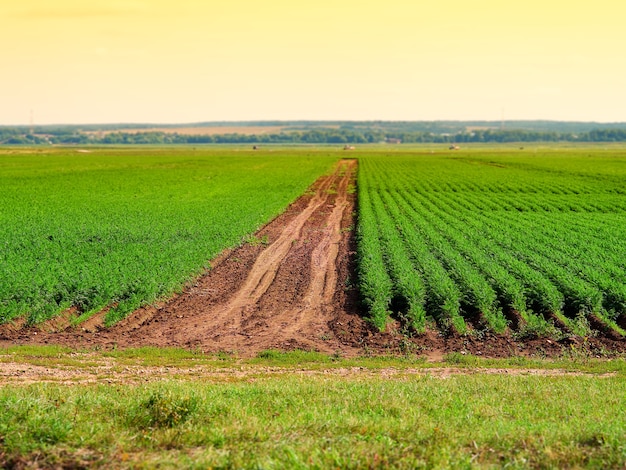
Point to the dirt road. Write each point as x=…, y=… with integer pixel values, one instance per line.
x=284, y=297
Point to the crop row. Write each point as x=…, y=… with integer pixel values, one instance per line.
x=497, y=240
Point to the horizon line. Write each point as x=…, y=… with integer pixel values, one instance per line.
x=268, y=121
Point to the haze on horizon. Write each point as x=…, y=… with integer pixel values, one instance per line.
x=162, y=61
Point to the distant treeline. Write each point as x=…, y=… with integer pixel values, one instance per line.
x=341, y=135
x=434, y=127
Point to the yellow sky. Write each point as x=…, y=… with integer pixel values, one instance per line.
x=81, y=61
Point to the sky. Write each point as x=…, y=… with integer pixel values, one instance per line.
x=185, y=61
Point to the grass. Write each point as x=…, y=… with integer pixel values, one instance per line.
x=290, y=410
x=577, y=359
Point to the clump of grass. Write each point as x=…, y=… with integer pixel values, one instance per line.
x=47, y=351
x=253, y=240
x=282, y=358
x=163, y=409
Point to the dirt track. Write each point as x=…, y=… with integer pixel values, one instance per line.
x=290, y=288
x=284, y=296
x=287, y=291
x=99, y=370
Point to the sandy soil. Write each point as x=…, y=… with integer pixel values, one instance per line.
x=108, y=371
x=293, y=289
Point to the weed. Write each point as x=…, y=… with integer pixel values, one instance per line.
x=478, y=333
x=253, y=240
x=163, y=409
x=458, y=358
x=273, y=356
x=408, y=347
x=583, y=327
x=537, y=329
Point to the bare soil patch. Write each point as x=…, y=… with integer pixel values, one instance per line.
x=108, y=371
x=291, y=287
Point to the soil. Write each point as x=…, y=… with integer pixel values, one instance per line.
x=103, y=370
x=292, y=286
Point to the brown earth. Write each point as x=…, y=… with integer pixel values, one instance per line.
x=290, y=287
x=107, y=370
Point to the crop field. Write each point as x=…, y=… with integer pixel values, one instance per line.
x=517, y=245
x=267, y=360
x=483, y=240
x=121, y=228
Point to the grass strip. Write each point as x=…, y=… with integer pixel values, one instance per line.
x=319, y=421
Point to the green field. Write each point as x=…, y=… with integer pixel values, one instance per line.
x=181, y=409
x=461, y=240
x=124, y=227
x=494, y=235
x=443, y=237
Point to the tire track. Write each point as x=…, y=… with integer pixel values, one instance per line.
x=252, y=316
x=308, y=322
x=323, y=267
x=266, y=266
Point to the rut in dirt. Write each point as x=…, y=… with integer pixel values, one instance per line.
x=286, y=299
x=255, y=316
x=266, y=266
x=289, y=293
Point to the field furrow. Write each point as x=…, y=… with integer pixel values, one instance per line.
x=513, y=236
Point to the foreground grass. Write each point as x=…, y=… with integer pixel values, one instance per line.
x=292, y=411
